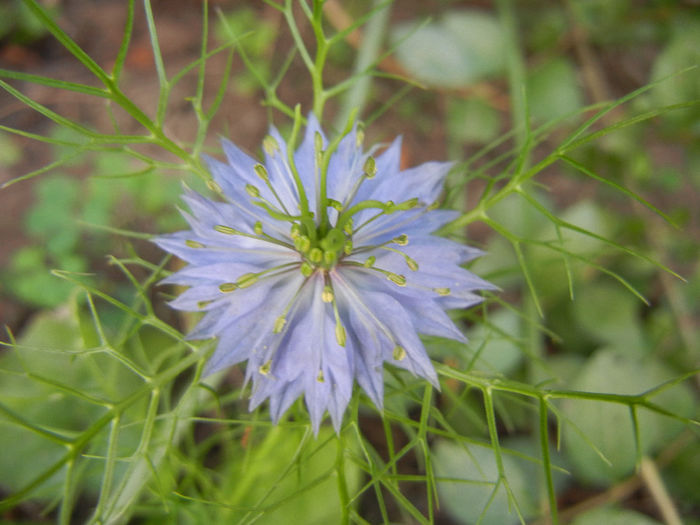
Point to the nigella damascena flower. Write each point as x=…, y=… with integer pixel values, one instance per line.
x=318, y=267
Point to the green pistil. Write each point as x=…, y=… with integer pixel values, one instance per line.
x=302, y=243
x=306, y=269
x=315, y=255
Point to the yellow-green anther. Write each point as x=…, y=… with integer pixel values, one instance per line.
x=434, y=206
x=306, y=269
x=347, y=227
x=252, y=190
x=315, y=255
x=261, y=172
x=370, y=168
x=302, y=243
x=401, y=240
x=226, y=229
x=194, y=244
x=409, y=204
x=442, y=291
x=265, y=369
x=397, y=279
x=270, y=145
x=247, y=279
x=327, y=294
x=347, y=247
x=319, y=377
x=412, y=264
x=279, y=324
x=329, y=258
x=370, y=261
x=399, y=353
x=203, y=304
x=228, y=287
x=213, y=186
x=295, y=231
x=360, y=138
x=258, y=229
x=340, y=335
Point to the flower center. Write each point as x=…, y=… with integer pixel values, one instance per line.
x=319, y=249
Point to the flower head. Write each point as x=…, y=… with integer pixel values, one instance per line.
x=319, y=266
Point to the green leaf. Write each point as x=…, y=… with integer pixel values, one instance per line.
x=472, y=120
x=613, y=516
x=475, y=466
x=610, y=315
x=463, y=47
x=306, y=494
x=494, y=345
x=554, y=90
x=609, y=426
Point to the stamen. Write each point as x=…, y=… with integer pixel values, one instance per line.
x=261, y=172
x=279, y=324
x=227, y=230
x=397, y=279
x=399, y=353
x=340, y=335
x=194, y=244
x=327, y=294
x=401, y=240
x=265, y=369
x=270, y=145
x=252, y=190
x=261, y=236
x=319, y=377
x=248, y=279
x=370, y=168
x=213, y=186
x=228, y=287
x=411, y=263
x=442, y=291
x=369, y=262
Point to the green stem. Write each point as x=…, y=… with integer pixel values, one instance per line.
x=342, y=482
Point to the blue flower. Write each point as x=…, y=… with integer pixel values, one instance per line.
x=318, y=266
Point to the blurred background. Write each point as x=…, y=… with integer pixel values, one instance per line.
x=457, y=101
